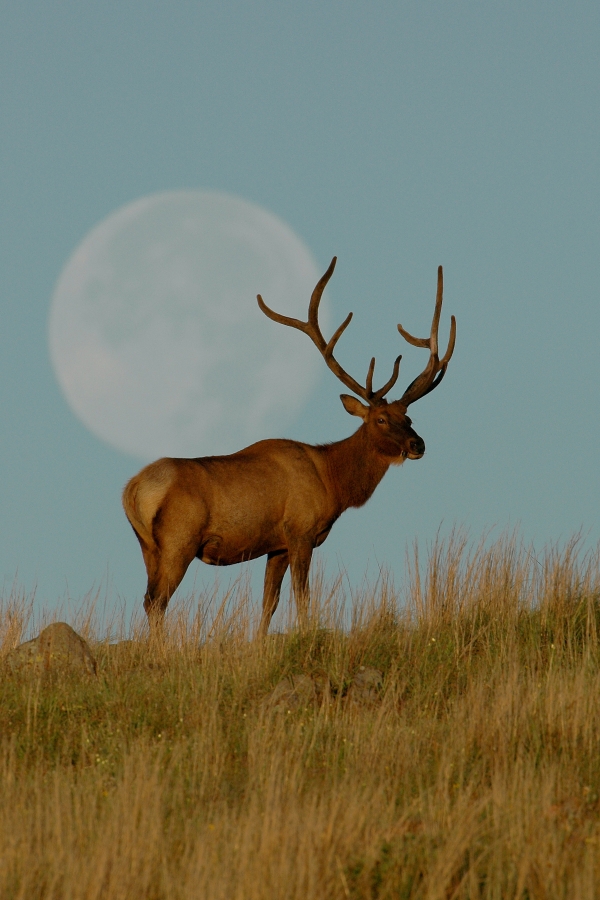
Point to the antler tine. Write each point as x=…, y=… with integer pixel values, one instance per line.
x=451, y=343
x=435, y=369
x=335, y=367
x=369, y=381
x=374, y=396
x=427, y=342
x=277, y=317
x=315, y=300
x=380, y=394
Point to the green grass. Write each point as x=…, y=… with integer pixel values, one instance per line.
x=170, y=775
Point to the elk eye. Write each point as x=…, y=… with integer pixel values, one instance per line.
x=381, y=420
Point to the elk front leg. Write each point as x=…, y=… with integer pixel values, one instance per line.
x=277, y=564
x=300, y=555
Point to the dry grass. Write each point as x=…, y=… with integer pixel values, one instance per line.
x=476, y=775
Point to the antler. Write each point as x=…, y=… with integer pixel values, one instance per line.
x=435, y=369
x=326, y=348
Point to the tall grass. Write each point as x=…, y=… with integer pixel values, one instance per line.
x=476, y=774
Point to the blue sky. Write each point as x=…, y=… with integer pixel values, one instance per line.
x=397, y=136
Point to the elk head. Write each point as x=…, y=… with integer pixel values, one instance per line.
x=387, y=426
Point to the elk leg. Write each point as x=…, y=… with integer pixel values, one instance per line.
x=154, y=608
x=165, y=572
x=277, y=564
x=300, y=555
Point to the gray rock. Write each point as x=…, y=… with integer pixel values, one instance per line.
x=365, y=688
x=56, y=647
x=293, y=692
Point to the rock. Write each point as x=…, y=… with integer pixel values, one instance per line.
x=56, y=647
x=365, y=688
x=293, y=692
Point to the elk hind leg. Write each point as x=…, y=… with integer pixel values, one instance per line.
x=154, y=608
x=166, y=569
x=277, y=564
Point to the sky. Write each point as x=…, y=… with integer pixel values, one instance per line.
x=397, y=136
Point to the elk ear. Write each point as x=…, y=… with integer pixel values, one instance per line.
x=354, y=406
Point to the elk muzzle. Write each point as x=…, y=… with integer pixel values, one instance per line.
x=416, y=448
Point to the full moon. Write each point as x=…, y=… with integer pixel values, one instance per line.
x=156, y=337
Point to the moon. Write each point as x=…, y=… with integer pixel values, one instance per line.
x=155, y=334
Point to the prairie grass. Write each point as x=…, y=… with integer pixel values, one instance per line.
x=170, y=775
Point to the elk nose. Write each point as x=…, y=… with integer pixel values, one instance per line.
x=417, y=446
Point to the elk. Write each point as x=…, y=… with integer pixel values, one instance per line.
x=277, y=498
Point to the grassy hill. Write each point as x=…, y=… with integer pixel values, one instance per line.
x=471, y=770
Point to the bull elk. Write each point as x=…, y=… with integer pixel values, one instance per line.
x=277, y=498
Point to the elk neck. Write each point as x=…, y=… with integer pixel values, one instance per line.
x=354, y=468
